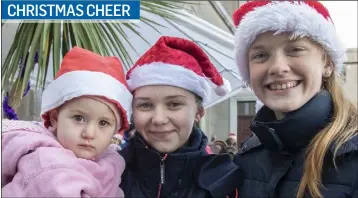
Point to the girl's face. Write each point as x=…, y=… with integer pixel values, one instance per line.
x=165, y=115
x=85, y=126
x=284, y=73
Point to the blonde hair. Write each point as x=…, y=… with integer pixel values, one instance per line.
x=342, y=128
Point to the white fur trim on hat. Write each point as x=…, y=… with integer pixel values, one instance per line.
x=118, y=136
x=158, y=73
x=283, y=16
x=80, y=83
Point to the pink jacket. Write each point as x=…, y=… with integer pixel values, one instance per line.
x=34, y=164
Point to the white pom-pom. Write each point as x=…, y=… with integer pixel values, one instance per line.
x=223, y=89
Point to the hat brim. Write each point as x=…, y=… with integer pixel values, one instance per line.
x=81, y=83
x=158, y=73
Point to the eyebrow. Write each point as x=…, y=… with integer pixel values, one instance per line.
x=257, y=47
x=294, y=40
x=175, y=96
x=141, y=98
x=77, y=110
x=108, y=118
x=80, y=111
x=167, y=97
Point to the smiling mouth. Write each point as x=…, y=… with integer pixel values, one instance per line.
x=283, y=86
x=87, y=147
x=160, y=132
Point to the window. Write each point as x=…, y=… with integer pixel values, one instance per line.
x=245, y=113
x=246, y=108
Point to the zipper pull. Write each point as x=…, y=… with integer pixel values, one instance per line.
x=162, y=169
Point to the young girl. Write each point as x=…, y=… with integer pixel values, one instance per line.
x=305, y=141
x=167, y=157
x=68, y=155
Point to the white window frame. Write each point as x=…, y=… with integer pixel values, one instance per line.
x=245, y=95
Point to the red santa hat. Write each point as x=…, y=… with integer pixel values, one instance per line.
x=177, y=62
x=301, y=18
x=84, y=73
x=118, y=136
x=232, y=134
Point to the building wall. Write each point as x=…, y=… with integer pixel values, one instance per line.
x=216, y=120
x=350, y=86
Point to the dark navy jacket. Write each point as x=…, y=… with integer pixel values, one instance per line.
x=188, y=172
x=272, y=159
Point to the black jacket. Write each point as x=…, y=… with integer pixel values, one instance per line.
x=272, y=159
x=188, y=172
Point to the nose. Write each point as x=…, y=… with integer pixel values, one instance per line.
x=279, y=65
x=89, y=131
x=159, y=116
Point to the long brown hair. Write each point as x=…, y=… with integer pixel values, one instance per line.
x=342, y=128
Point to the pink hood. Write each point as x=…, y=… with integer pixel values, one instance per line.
x=34, y=164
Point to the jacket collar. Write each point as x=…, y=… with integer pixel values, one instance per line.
x=296, y=130
x=183, y=168
x=178, y=165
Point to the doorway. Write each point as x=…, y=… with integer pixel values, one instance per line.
x=245, y=113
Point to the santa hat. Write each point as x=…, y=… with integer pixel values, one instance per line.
x=232, y=134
x=301, y=18
x=118, y=136
x=84, y=73
x=177, y=62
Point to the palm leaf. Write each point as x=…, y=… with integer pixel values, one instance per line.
x=124, y=56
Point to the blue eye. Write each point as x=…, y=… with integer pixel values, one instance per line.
x=79, y=118
x=295, y=49
x=145, y=105
x=258, y=56
x=174, y=104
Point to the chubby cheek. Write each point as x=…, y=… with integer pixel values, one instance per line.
x=64, y=138
x=316, y=81
x=185, y=122
x=103, y=143
x=256, y=78
x=257, y=87
x=67, y=133
x=140, y=120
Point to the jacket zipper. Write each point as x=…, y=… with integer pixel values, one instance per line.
x=162, y=169
x=162, y=173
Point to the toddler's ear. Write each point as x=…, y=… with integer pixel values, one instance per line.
x=53, y=118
